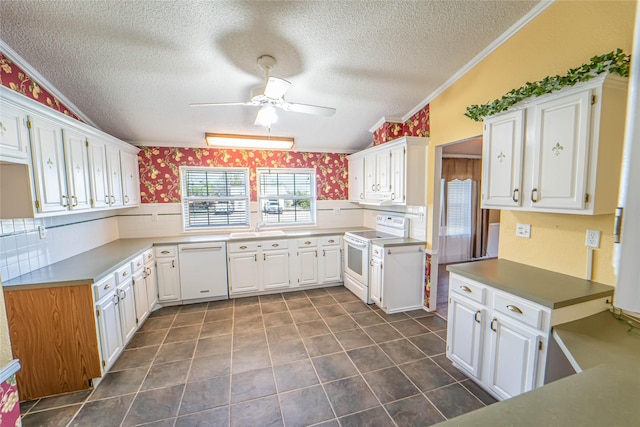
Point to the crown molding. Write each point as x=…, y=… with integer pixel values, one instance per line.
x=39, y=78
x=383, y=120
x=520, y=24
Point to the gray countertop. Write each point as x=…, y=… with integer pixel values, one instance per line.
x=400, y=241
x=550, y=289
x=605, y=393
x=91, y=266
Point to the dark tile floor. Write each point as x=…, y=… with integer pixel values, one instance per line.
x=316, y=357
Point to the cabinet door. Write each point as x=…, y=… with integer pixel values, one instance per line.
x=398, y=185
x=127, y=308
x=513, y=358
x=77, y=167
x=275, y=269
x=115, y=176
x=383, y=172
x=356, y=179
x=142, y=300
x=48, y=166
x=375, y=280
x=130, y=179
x=243, y=272
x=465, y=333
x=150, y=284
x=13, y=134
x=370, y=178
x=99, y=174
x=168, y=279
x=330, y=264
x=502, y=153
x=109, y=330
x=307, y=266
x=561, y=152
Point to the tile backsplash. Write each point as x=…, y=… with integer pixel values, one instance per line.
x=22, y=250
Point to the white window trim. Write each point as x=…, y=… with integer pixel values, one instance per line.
x=314, y=205
x=247, y=171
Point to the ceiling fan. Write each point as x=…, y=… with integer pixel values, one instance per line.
x=271, y=96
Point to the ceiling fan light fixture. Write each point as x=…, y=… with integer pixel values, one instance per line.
x=266, y=116
x=223, y=140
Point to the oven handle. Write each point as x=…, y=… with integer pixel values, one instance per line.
x=358, y=244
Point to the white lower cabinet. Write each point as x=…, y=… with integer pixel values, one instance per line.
x=243, y=272
x=127, y=309
x=330, y=259
x=168, y=274
x=466, y=333
x=142, y=300
x=258, y=266
x=275, y=268
x=109, y=329
x=150, y=283
x=307, y=265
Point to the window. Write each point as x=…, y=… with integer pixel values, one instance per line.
x=458, y=207
x=214, y=197
x=287, y=196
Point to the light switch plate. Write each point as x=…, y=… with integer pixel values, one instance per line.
x=42, y=231
x=523, y=230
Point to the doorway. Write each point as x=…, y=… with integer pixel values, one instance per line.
x=462, y=230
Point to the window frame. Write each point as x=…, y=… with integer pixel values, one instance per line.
x=185, y=199
x=313, y=209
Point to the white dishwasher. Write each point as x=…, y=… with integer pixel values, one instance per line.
x=203, y=271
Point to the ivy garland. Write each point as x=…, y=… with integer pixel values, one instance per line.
x=614, y=62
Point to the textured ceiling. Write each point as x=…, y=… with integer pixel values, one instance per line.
x=134, y=67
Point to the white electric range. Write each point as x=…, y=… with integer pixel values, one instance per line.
x=357, y=252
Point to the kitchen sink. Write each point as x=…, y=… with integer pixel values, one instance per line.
x=256, y=234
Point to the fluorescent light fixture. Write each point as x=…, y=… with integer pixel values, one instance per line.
x=249, y=141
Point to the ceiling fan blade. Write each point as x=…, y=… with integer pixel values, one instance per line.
x=219, y=104
x=308, y=109
x=276, y=88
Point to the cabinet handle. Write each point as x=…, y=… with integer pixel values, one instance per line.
x=516, y=195
x=475, y=316
x=534, y=192
x=148, y=271
x=514, y=309
x=465, y=288
x=113, y=200
x=125, y=273
x=106, y=200
x=107, y=286
x=139, y=264
x=378, y=187
x=243, y=247
x=65, y=198
x=116, y=299
x=126, y=199
x=373, y=187
x=331, y=241
x=149, y=256
x=164, y=252
x=371, y=263
x=173, y=263
x=316, y=253
x=307, y=242
x=75, y=201
x=324, y=253
x=124, y=294
x=393, y=196
x=264, y=257
x=275, y=245
x=361, y=195
x=255, y=257
x=492, y=324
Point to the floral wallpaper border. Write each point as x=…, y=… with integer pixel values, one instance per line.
x=160, y=169
x=16, y=79
x=417, y=125
x=9, y=403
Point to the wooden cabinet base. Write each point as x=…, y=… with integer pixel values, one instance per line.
x=53, y=333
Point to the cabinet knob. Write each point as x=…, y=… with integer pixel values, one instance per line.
x=125, y=273
x=107, y=286
x=307, y=242
x=331, y=241
x=149, y=256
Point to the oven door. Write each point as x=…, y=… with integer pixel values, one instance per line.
x=356, y=260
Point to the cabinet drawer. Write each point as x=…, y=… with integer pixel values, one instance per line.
x=243, y=247
x=377, y=252
x=104, y=287
x=274, y=244
x=123, y=273
x=137, y=263
x=517, y=309
x=307, y=243
x=468, y=288
x=148, y=256
x=166, y=251
x=329, y=240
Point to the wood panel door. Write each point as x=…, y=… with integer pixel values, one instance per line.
x=53, y=333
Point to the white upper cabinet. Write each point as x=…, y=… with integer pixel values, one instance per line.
x=115, y=176
x=77, y=167
x=14, y=139
x=48, y=166
x=130, y=179
x=559, y=153
x=99, y=174
x=502, y=150
x=393, y=173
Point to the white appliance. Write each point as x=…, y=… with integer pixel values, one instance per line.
x=203, y=271
x=357, y=252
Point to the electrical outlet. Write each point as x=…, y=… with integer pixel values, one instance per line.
x=523, y=230
x=42, y=231
x=593, y=239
